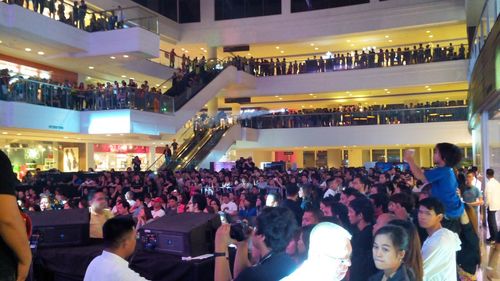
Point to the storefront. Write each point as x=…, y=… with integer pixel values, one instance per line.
x=119, y=156
x=30, y=155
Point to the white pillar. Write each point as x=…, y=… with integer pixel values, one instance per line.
x=286, y=7
x=89, y=156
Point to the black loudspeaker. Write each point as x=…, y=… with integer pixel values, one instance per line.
x=61, y=227
x=187, y=234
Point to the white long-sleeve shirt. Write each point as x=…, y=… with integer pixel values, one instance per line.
x=439, y=255
x=492, y=194
x=110, y=267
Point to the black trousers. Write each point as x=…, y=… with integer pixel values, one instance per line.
x=492, y=224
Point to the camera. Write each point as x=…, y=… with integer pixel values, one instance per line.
x=240, y=231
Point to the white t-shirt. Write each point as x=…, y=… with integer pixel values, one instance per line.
x=158, y=214
x=229, y=207
x=492, y=193
x=329, y=192
x=110, y=267
x=439, y=255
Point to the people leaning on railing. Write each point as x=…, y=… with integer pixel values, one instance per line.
x=352, y=115
x=356, y=59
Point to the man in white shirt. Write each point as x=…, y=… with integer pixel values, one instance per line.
x=333, y=187
x=439, y=249
x=111, y=265
x=492, y=194
x=228, y=205
x=157, y=211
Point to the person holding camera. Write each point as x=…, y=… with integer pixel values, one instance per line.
x=275, y=228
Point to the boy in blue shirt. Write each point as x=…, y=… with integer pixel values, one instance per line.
x=443, y=180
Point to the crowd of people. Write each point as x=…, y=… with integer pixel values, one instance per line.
x=78, y=14
x=350, y=115
x=420, y=224
x=357, y=59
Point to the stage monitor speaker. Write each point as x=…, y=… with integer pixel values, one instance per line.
x=187, y=234
x=61, y=227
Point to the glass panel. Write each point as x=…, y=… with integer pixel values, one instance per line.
x=393, y=155
x=236, y=9
x=378, y=155
x=309, y=5
x=167, y=8
x=189, y=11
x=321, y=158
x=309, y=161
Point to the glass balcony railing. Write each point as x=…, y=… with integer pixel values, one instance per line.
x=489, y=15
x=90, y=18
x=370, y=57
x=41, y=93
x=358, y=118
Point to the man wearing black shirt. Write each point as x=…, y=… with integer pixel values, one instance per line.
x=291, y=202
x=15, y=253
x=275, y=227
x=361, y=215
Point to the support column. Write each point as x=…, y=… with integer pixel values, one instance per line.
x=212, y=107
x=152, y=158
x=485, y=147
x=235, y=110
x=89, y=156
x=286, y=7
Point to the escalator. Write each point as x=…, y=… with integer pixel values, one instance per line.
x=209, y=140
x=195, y=148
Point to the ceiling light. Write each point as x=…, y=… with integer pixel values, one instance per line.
x=203, y=51
x=112, y=57
x=282, y=52
x=125, y=56
x=386, y=90
x=0, y=41
x=27, y=49
x=202, y=48
x=132, y=78
x=312, y=44
x=352, y=45
x=429, y=89
x=277, y=47
x=183, y=49
x=430, y=36
x=303, y=106
x=249, y=54
x=121, y=134
x=387, y=36
x=65, y=137
x=316, y=48
x=311, y=94
x=310, y=106
x=315, y=96
x=276, y=96
x=4, y=133
x=164, y=87
x=91, y=67
x=78, y=138
x=18, y=134
x=186, y=51
x=157, y=85
x=428, y=31
x=447, y=98
x=348, y=41
x=427, y=86
x=108, y=135
x=41, y=53
x=280, y=98
x=390, y=40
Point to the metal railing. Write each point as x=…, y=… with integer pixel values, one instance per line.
x=378, y=117
x=489, y=15
x=54, y=95
x=353, y=59
x=92, y=18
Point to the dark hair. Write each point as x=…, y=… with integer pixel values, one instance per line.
x=116, y=229
x=350, y=191
x=125, y=204
x=306, y=235
x=292, y=189
x=316, y=212
x=200, y=200
x=173, y=198
x=340, y=211
x=403, y=199
x=490, y=173
x=252, y=199
x=413, y=256
x=380, y=200
x=278, y=225
x=432, y=203
x=147, y=211
x=398, y=235
x=450, y=153
x=365, y=207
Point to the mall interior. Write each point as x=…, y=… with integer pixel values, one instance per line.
x=296, y=84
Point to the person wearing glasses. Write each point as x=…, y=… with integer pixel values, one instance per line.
x=328, y=259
